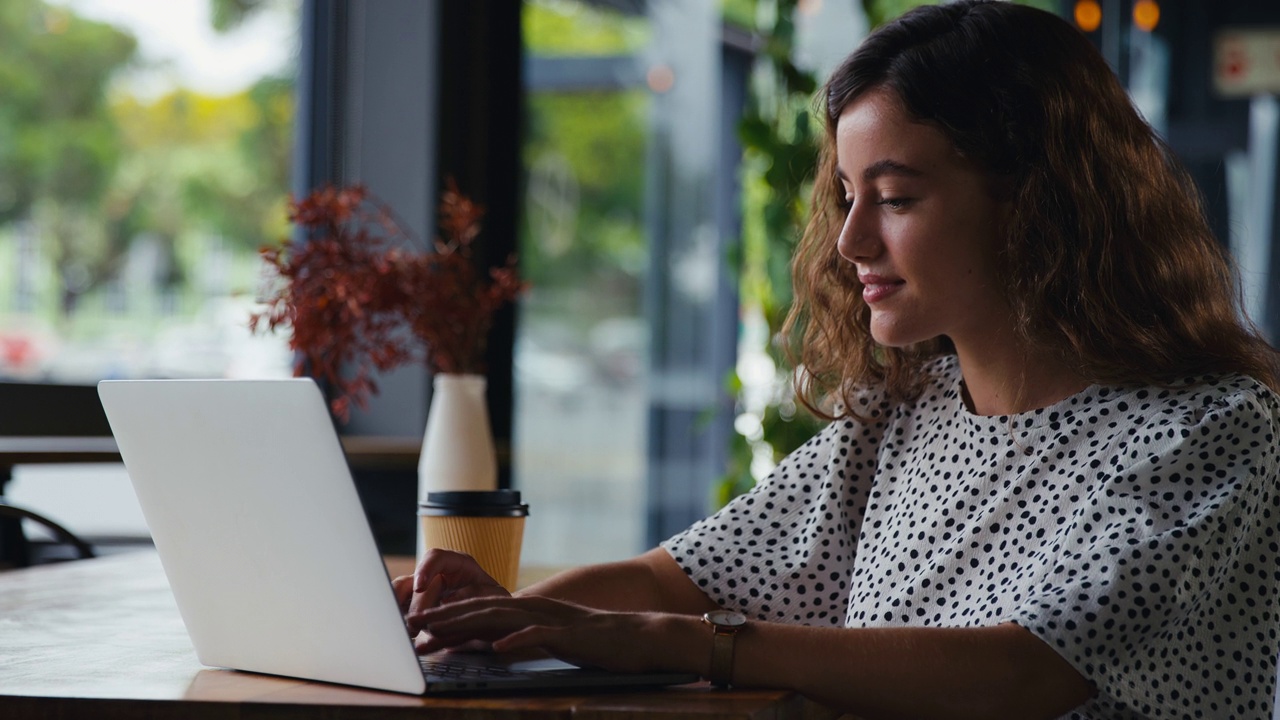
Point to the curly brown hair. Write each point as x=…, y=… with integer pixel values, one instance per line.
x=1112, y=265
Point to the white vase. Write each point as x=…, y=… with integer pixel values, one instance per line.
x=457, y=449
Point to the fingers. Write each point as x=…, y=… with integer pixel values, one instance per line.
x=483, y=619
x=447, y=562
x=436, y=594
x=471, y=592
x=403, y=587
x=422, y=601
x=520, y=624
x=490, y=619
x=557, y=611
x=487, y=623
x=424, y=645
x=534, y=636
x=442, y=577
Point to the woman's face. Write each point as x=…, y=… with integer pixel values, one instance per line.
x=921, y=228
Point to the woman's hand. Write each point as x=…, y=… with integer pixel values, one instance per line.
x=442, y=577
x=619, y=641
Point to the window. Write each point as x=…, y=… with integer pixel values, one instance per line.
x=145, y=156
x=581, y=355
x=625, y=341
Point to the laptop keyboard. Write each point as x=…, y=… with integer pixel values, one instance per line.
x=435, y=667
x=461, y=671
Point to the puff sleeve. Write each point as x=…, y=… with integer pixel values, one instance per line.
x=1164, y=594
x=784, y=551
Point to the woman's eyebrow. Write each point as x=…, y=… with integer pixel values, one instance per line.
x=889, y=167
x=881, y=168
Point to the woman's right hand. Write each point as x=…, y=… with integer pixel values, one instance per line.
x=442, y=577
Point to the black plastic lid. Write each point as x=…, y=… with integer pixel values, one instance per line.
x=474, y=503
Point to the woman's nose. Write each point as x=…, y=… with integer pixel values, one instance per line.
x=857, y=239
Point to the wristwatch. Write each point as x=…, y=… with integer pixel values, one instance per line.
x=725, y=625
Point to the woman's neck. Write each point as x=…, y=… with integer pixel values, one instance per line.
x=1003, y=379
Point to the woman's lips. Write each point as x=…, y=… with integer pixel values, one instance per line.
x=876, y=288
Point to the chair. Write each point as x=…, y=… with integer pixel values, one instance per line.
x=11, y=517
x=42, y=410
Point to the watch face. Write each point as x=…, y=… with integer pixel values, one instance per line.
x=726, y=618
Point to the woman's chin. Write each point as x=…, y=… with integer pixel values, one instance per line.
x=888, y=334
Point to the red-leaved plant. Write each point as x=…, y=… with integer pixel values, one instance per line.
x=361, y=293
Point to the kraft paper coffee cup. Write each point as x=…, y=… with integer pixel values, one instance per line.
x=488, y=525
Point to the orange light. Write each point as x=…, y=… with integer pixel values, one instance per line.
x=1088, y=15
x=1146, y=14
x=660, y=78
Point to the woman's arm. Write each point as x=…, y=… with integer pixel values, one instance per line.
x=953, y=673
x=991, y=672
x=651, y=582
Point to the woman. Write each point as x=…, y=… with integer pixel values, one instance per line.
x=1048, y=489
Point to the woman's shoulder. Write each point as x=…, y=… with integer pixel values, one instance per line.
x=1190, y=401
x=1201, y=417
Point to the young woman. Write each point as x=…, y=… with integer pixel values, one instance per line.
x=1049, y=484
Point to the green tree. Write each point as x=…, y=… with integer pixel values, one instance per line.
x=230, y=14
x=880, y=12
x=59, y=144
x=583, y=215
x=94, y=170
x=213, y=165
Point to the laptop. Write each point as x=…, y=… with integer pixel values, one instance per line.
x=254, y=514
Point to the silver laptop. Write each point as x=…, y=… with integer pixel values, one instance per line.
x=248, y=496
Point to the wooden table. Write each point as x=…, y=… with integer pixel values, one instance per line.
x=102, y=638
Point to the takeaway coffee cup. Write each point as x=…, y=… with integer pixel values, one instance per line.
x=488, y=525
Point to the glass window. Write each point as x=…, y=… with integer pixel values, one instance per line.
x=581, y=396
x=144, y=158
x=145, y=151
x=622, y=417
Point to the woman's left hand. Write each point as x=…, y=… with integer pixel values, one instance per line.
x=618, y=641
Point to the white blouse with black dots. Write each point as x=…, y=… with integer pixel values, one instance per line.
x=1134, y=530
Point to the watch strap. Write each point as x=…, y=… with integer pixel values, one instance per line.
x=722, y=645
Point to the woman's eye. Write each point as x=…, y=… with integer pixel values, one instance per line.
x=895, y=203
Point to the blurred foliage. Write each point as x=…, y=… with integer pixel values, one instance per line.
x=570, y=27
x=583, y=219
x=94, y=168
x=60, y=146
x=227, y=15
x=57, y=138
x=880, y=12
x=217, y=164
x=778, y=137
x=584, y=215
x=739, y=12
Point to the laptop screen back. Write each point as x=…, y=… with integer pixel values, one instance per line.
x=252, y=508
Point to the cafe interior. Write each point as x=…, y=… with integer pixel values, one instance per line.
x=642, y=161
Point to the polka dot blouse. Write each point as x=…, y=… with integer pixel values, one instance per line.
x=1134, y=530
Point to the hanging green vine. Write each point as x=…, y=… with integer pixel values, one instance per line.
x=777, y=134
